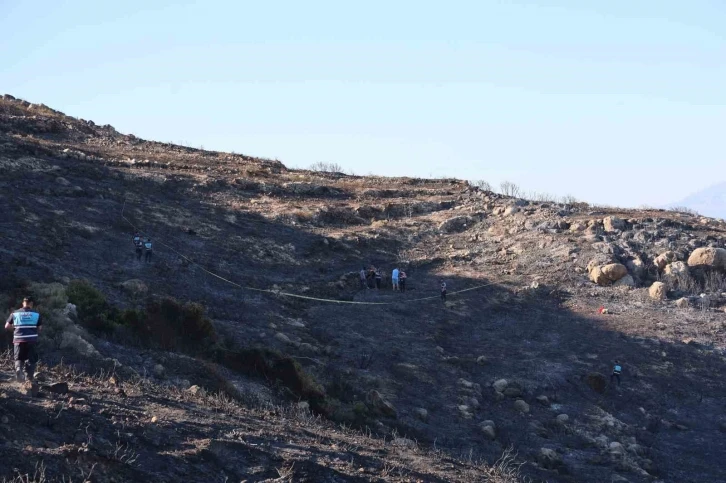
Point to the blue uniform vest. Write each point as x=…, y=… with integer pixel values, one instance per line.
x=26, y=326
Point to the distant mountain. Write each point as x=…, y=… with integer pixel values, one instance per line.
x=709, y=202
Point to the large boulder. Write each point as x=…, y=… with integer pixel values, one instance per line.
x=636, y=267
x=380, y=404
x=658, y=291
x=626, y=281
x=549, y=458
x=613, y=223
x=598, y=277
x=455, y=225
x=708, y=257
x=676, y=269
x=614, y=271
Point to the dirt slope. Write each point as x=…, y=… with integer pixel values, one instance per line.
x=425, y=370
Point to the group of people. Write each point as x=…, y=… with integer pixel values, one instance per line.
x=372, y=277
x=143, y=247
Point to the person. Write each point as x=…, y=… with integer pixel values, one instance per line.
x=394, y=278
x=148, y=248
x=379, y=278
x=362, y=275
x=139, y=245
x=617, y=370
x=402, y=280
x=443, y=291
x=25, y=324
x=371, y=277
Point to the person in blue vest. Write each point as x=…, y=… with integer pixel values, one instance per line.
x=25, y=324
x=148, y=250
x=617, y=370
x=139, y=245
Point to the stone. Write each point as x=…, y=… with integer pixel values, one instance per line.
x=481, y=360
x=159, y=371
x=626, y=281
x=283, y=338
x=543, y=400
x=489, y=431
x=466, y=384
x=676, y=269
x=510, y=210
x=380, y=404
x=134, y=288
x=196, y=391
x=613, y=223
x=455, y=225
x=500, y=384
x=682, y=303
x=598, y=277
x=154, y=419
x=57, y=388
x=4, y=420
x=708, y=257
x=303, y=406
x=549, y=458
x=616, y=448
x=657, y=291
x=614, y=271
x=422, y=414
x=62, y=181
x=577, y=227
x=512, y=391
x=521, y=406
x=636, y=267
x=562, y=418
x=662, y=260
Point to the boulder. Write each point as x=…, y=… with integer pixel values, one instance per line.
x=512, y=391
x=196, y=391
x=562, y=418
x=510, y=210
x=455, y=225
x=614, y=271
x=682, y=303
x=708, y=257
x=521, y=406
x=549, y=458
x=62, y=181
x=636, y=267
x=657, y=291
x=676, y=269
x=488, y=429
x=662, y=260
x=422, y=414
x=613, y=223
x=500, y=385
x=283, y=338
x=626, y=281
x=543, y=400
x=375, y=400
x=134, y=288
x=159, y=371
x=616, y=448
x=598, y=277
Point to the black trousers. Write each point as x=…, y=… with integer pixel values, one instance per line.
x=443, y=295
x=138, y=254
x=148, y=256
x=26, y=356
x=402, y=284
x=615, y=376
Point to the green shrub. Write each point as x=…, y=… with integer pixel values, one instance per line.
x=172, y=325
x=94, y=311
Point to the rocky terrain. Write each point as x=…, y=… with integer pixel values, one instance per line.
x=405, y=386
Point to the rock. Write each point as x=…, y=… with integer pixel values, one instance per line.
x=489, y=432
x=62, y=181
x=481, y=360
x=466, y=384
x=134, y=288
x=613, y=223
x=196, y=391
x=543, y=400
x=662, y=260
x=455, y=225
x=512, y=391
x=598, y=277
x=549, y=458
x=521, y=406
x=562, y=418
x=636, y=267
x=378, y=403
x=510, y=210
x=283, y=338
x=4, y=420
x=303, y=406
x=657, y=291
x=626, y=281
x=71, y=340
x=676, y=269
x=682, y=303
x=159, y=371
x=57, y=388
x=614, y=271
x=708, y=257
x=616, y=448
x=500, y=384
x=154, y=419
x=422, y=414
x=465, y=411
x=577, y=227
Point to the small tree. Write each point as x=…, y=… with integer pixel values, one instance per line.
x=481, y=184
x=326, y=167
x=508, y=188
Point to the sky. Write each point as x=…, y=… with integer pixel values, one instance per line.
x=618, y=103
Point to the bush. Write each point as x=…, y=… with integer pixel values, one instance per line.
x=94, y=311
x=508, y=188
x=326, y=167
x=172, y=325
x=481, y=184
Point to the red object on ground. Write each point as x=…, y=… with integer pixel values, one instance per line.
x=601, y=309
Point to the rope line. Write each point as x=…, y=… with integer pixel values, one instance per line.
x=294, y=295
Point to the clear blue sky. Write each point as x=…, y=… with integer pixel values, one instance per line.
x=617, y=102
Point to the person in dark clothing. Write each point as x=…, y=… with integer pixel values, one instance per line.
x=138, y=245
x=148, y=250
x=362, y=278
x=402, y=281
x=25, y=324
x=371, y=277
x=443, y=291
x=617, y=370
x=379, y=278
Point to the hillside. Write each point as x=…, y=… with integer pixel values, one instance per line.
x=519, y=356
x=708, y=202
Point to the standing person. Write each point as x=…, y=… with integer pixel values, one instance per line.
x=394, y=278
x=379, y=278
x=617, y=370
x=139, y=245
x=148, y=249
x=25, y=324
x=443, y=291
x=402, y=280
x=371, y=277
x=362, y=278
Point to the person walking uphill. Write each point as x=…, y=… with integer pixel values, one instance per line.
x=617, y=370
x=443, y=291
x=25, y=322
x=362, y=278
x=148, y=249
x=394, y=278
x=139, y=245
x=402, y=280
